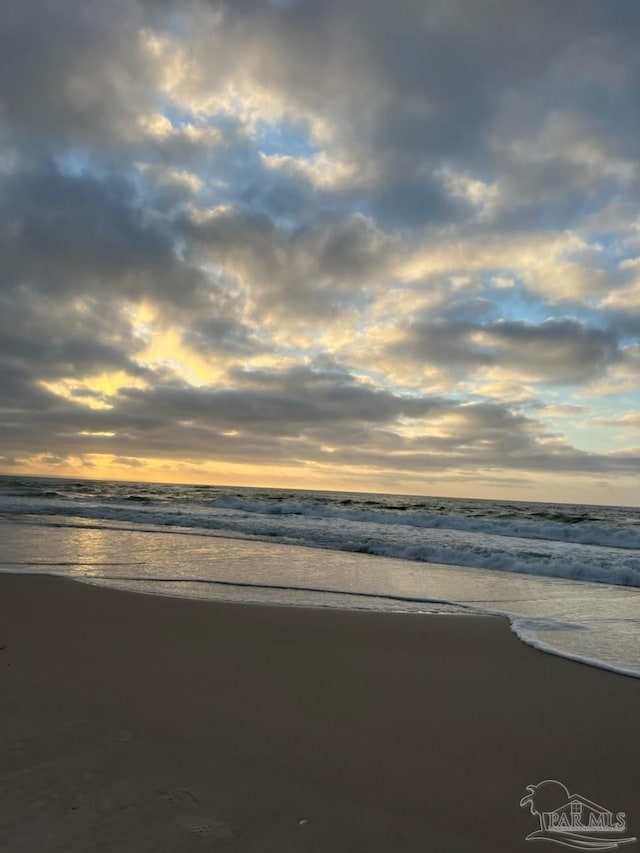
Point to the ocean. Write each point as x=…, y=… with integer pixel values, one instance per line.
x=566, y=576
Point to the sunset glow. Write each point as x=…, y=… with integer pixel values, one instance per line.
x=343, y=246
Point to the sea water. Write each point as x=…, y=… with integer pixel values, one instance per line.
x=567, y=576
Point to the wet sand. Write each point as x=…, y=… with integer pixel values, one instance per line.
x=143, y=723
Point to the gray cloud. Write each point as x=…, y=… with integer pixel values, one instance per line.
x=310, y=271
x=560, y=351
x=71, y=74
x=62, y=233
x=257, y=177
x=410, y=86
x=296, y=417
x=555, y=351
x=75, y=248
x=49, y=339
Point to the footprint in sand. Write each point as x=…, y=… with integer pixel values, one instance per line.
x=180, y=797
x=208, y=827
x=73, y=724
x=123, y=737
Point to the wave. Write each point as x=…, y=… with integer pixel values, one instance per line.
x=596, y=544
x=181, y=579
x=620, y=573
x=525, y=630
x=570, y=562
x=564, y=529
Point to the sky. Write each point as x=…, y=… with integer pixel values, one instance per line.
x=328, y=244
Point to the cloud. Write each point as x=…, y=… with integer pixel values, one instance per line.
x=629, y=419
x=555, y=351
x=337, y=237
x=308, y=272
x=70, y=74
x=305, y=417
x=409, y=87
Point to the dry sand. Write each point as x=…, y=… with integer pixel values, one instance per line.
x=142, y=723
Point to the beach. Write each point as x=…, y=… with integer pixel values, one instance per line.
x=135, y=722
x=319, y=426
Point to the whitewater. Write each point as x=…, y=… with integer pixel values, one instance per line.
x=567, y=576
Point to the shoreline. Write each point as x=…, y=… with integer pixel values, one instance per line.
x=522, y=633
x=462, y=610
x=147, y=722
